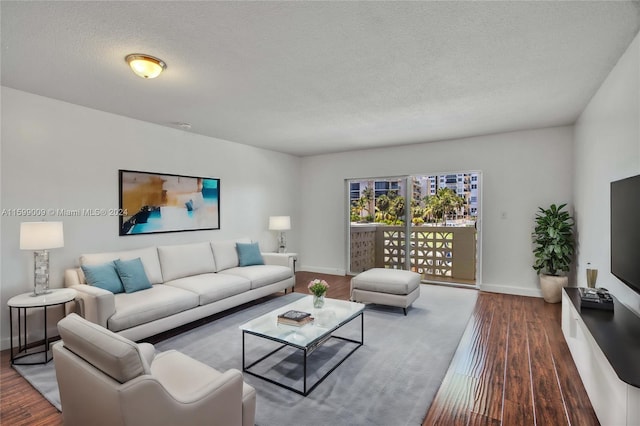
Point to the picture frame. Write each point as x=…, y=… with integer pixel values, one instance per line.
x=160, y=202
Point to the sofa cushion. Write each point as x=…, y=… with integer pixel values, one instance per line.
x=132, y=275
x=226, y=254
x=114, y=355
x=249, y=254
x=260, y=275
x=212, y=287
x=148, y=256
x=104, y=275
x=148, y=305
x=185, y=260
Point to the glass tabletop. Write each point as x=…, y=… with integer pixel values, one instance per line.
x=331, y=316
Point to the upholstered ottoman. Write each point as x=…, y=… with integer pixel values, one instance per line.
x=391, y=287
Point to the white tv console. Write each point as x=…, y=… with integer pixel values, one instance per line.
x=605, y=346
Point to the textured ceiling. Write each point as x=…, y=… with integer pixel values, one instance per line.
x=317, y=77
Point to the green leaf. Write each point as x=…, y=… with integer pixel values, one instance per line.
x=553, y=239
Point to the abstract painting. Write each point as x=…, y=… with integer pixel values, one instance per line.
x=156, y=202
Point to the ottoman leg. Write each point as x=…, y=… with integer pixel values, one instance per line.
x=405, y=311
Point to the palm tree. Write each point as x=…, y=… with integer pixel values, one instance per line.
x=427, y=212
x=434, y=207
x=446, y=202
x=367, y=195
x=359, y=205
x=397, y=209
x=356, y=209
x=454, y=202
x=382, y=207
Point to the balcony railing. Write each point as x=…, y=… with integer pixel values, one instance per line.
x=439, y=253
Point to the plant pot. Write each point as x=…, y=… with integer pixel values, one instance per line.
x=551, y=287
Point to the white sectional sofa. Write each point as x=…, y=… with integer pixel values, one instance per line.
x=189, y=282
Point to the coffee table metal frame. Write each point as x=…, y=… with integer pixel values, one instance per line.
x=307, y=350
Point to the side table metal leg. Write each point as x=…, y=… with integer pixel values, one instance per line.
x=46, y=339
x=11, y=332
x=25, y=336
x=20, y=315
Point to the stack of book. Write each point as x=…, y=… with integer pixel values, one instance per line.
x=296, y=318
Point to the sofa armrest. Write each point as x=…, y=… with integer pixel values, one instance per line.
x=182, y=390
x=187, y=379
x=94, y=304
x=282, y=259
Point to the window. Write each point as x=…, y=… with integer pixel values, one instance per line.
x=354, y=191
x=381, y=188
x=381, y=185
x=474, y=186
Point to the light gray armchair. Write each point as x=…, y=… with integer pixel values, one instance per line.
x=106, y=379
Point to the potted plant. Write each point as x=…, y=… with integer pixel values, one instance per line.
x=553, y=237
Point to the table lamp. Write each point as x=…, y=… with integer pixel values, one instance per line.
x=280, y=223
x=41, y=236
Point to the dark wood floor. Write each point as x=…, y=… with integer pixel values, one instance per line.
x=513, y=367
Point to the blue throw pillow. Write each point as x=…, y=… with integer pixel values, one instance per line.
x=132, y=274
x=249, y=254
x=104, y=276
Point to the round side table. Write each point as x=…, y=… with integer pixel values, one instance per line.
x=28, y=352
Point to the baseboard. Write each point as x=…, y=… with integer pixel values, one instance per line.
x=321, y=270
x=505, y=289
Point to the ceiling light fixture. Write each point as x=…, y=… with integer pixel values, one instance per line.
x=145, y=66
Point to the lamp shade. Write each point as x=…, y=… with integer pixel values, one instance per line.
x=279, y=223
x=41, y=235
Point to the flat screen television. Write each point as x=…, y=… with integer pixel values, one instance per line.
x=625, y=231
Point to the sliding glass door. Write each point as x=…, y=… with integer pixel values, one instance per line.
x=424, y=223
x=377, y=223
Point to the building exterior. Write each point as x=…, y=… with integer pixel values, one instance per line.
x=463, y=184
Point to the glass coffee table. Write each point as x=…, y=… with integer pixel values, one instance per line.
x=307, y=338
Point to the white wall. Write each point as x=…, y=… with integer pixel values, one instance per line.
x=59, y=155
x=520, y=171
x=607, y=148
